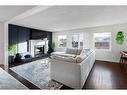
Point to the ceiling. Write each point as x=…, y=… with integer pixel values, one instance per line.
x=8, y=12
x=60, y=18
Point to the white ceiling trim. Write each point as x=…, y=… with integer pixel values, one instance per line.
x=28, y=13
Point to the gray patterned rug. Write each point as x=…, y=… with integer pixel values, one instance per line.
x=9, y=82
x=38, y=73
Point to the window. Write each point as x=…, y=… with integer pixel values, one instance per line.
x=102, y=41
x=77, y=40
x=62, y=40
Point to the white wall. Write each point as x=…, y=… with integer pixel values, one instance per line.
x=1, y=43
x=4, y=44
x=112, y=55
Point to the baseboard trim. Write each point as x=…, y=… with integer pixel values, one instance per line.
x=107, y=61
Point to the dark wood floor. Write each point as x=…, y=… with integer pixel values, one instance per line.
x=23, y=81
x=104, y=75
x=107, y=75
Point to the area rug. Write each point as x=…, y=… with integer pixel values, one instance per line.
x=38, y=73
x=9, y=82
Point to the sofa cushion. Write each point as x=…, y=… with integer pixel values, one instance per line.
x=79, y=59
x=83, y=55
x=57, y=53
x=62, y=54
x=64, y=58
x=86, y=52
x=79, y=51
x=72, y=55
x=73, y=51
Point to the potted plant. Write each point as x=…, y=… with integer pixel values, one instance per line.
x=51, y=47
x=120, y=37
x=11, y=51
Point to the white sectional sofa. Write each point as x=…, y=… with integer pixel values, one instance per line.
x=72, y=67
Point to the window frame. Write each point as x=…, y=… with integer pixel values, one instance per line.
x=58, y=41
x=78, y=34
x=110, y=41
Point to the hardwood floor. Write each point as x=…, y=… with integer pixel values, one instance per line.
x=104, y=75
x=23, y=81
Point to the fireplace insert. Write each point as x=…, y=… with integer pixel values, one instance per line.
x=38, y=51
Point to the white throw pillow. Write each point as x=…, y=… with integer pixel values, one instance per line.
x=79, y=59
x=83, y=55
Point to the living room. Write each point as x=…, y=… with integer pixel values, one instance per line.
x=60, y=47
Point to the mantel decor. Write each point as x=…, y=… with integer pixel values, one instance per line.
x=120, y=37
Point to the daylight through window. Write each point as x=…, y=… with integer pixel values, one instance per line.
x=77, y=40
x=62, y=40
x=102, y=40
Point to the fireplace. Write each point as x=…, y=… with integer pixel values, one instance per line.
x=38, y=50
x=38, y=47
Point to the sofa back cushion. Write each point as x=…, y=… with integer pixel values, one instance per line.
x=79, y=51
x=80, y=58
x=73, y=51
x=84, y=53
